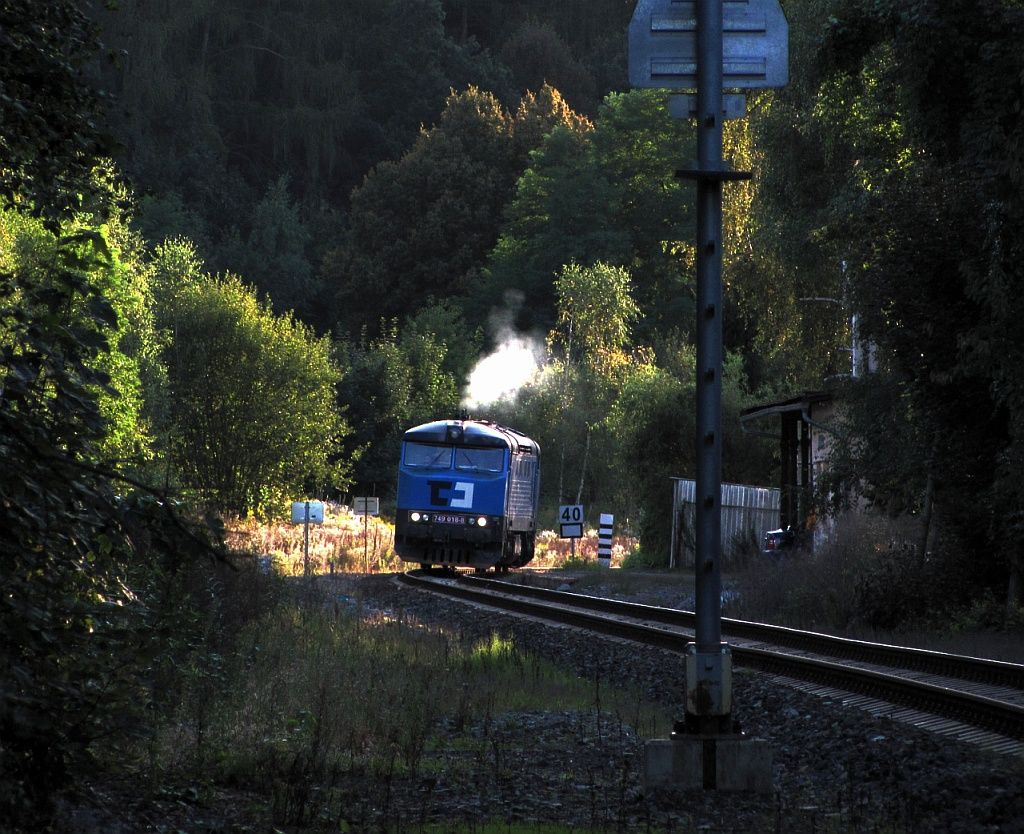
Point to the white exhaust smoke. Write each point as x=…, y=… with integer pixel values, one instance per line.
x=514, y=363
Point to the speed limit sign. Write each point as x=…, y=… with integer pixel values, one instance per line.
x=570, y=520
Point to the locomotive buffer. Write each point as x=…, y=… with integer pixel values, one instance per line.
x=708, y=45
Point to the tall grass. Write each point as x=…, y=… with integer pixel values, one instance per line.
x=344, y=542
x=867, y=583
x=556, y=552
x=827, y=589
x=314, y=704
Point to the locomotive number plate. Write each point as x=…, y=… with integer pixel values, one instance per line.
x=440, y=518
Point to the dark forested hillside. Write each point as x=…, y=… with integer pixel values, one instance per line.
x=214, y=104
x=577, y=46
x=320, y=90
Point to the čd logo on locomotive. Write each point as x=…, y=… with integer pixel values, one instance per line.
x=459, y=494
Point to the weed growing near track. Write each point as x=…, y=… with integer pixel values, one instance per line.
x=328, y=712
x=344, y=542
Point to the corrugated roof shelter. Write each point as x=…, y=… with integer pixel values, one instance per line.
x=805, y=439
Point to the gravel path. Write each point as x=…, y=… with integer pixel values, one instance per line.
x=836, y=768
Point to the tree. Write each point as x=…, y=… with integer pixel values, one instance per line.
x=607, y=194
x=537, y=56
x=160, y=217
x=274, y=253
x=651, y=427
x=56, y=511
x=62, y=546
x=419, y=226
x=130, y=362
x=592, y=336
x=793, y=245
x=911, y=102
x=652, y=422
x=995, y=153
x=591, y=31
x=539, y=113
x=392, y=382
x=443, y=322
x=215, y=101
x=422, y=226
x=92, y=574
x=253, y=405
x=560, y=215
x=50, y=136
x=595, y=313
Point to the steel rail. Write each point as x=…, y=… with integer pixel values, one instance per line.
x=979, y=670
x=969, y=708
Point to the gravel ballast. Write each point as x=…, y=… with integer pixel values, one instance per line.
x=836, y=768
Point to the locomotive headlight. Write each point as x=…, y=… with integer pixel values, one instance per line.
x=481, y=522
x=415, y=516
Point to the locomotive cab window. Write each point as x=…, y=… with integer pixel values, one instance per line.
x=422, y=456
x=479, y=460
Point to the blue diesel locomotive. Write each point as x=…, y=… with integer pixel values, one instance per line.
x=467, y=495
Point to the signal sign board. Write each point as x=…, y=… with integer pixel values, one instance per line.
x=365, y=505
x=663, y=44
x=311, y=511
x=570, y=521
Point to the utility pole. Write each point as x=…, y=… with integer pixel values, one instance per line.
x=305, y=542
x=708, y=660
x=679, y=43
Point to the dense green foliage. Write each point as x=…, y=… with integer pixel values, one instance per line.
x=319, y=89
x=577, y=46
x=107, y=587
x=67, y=611
x=59, y=540
x=96, y=569
x=368, y=180
x=131, y=362
x=252, y=410
x=392, y=382
x=421, y=228
x=610, y=194
x=918, y=110
x=49, y=135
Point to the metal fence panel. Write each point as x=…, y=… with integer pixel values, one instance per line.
x=747, y=513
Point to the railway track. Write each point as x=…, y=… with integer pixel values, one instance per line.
x=976, y=700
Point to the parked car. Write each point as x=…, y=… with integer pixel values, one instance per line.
x=777, y=542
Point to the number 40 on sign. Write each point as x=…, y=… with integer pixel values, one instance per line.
x=570, y=520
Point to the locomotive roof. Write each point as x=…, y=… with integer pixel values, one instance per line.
x=471, y=433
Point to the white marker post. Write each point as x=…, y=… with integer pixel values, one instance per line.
x=604, y=540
